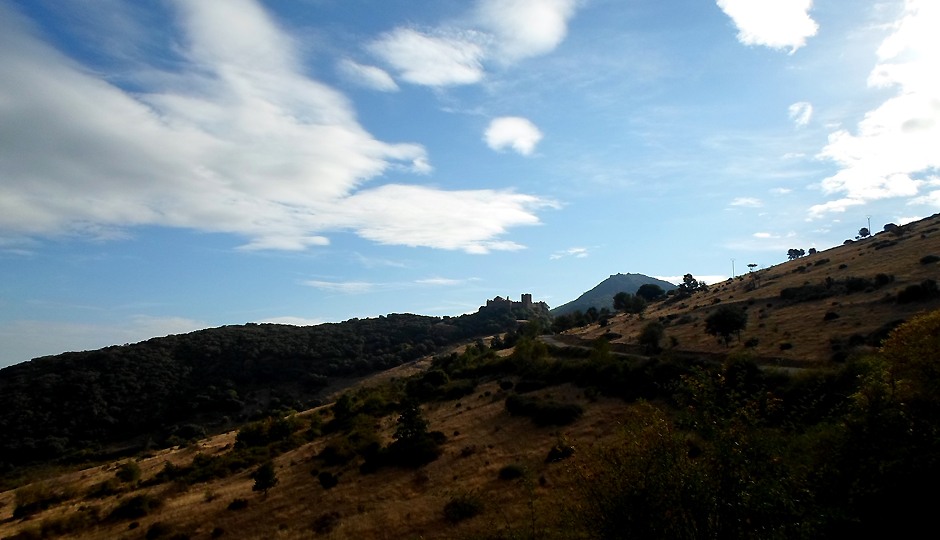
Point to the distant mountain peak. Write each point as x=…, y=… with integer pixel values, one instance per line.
x=602, y=295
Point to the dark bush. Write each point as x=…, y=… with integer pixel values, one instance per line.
x=786, y=346
x=928, y=259
x=505, y=384
x=463, y=506
x=543, y=412
x=926, y=290
x=135, y=507
x=328, y=480
x=238, y=504
x=325, y=523
x=559, y=452
x=830, y=316
x=511, y=472
x=805, y=293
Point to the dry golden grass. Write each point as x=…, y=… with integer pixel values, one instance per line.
x=773, y=321
x=392, y=503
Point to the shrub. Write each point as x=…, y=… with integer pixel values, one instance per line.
x=511, y=472
x=928, y=259
x=543, y=412
x=915, y=293
x=325, y=523
x=135, y=507
x=238, y=504
x=463, y=506
x=36, y=498
x=328, y=480
x=128, y=472
x=830, y=316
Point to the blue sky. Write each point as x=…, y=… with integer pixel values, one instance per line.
x=174, y=165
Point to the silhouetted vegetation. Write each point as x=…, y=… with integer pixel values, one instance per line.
x=165, y=391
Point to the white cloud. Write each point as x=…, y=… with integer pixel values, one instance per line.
x=525, y=28
x=500, y=31
x=840, y=205
x=239, y=141
x=931, y=198
x=780, y=191
x=576, y=252
x=368, y=76
x=894, y=147
x=747, y=202
x=345, y=287
x=778, y=24
x=441, y=60
x=764, y=235
x=904, y=220
x=801, y=113
x=512, y=132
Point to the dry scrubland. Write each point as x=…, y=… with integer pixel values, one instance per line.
x=392, y=503
x=776, y=322
x=482, y=438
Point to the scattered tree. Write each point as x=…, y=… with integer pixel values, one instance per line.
x=864, y=232
x=650, y=337
x=812, y=251
x=751, y=267
x=650, y=292
x=689, y=284
x=629, y=303
x=265, y=477
x=795, y=253
x=725, y=321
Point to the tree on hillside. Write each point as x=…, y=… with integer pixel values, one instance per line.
x=689, y=285
x=650, y=337
x=265, y=477
x=864, y=232
x=725, y=321
x=751, y=267
x=629, y=303
x=650, y=292
x=795, y=253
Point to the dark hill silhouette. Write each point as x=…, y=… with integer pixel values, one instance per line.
x=171, y=389
x=602, y=295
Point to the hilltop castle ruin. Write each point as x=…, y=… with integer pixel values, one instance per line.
x=500, y=303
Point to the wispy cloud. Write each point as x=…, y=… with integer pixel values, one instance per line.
x=576, y=252
x=747, y=202
x=240, y=141
x=780, y=191
x=778, y=24
x=345, y=287
x=801, y=113
x=446, y=59
x=443, y=282
x=368, y=76
x=894, y=148
x=512, y=132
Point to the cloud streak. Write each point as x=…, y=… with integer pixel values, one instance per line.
x=238, y=141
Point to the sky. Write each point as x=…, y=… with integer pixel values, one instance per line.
x=174, y=165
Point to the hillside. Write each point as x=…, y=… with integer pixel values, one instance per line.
x=76, y=406
x=520, y=439
x=602, y=295
x=810, y=310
